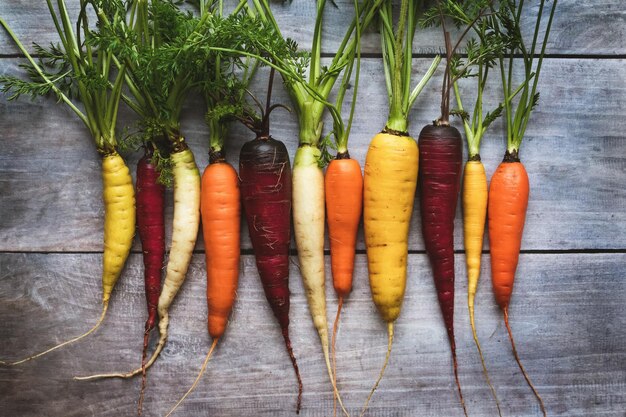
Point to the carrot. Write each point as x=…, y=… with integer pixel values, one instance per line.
x=474, y=199
x=474, y=195
x=440, y=163
x=508, y=201
x=220, y=208
x=391, y=168
x=343, y=186
x=184, y=233
x=440, y=174
x=509, y=189
x=265, y=174
x=221, y=213
x=343, y=189
x=391, y=171
x=85, y=66
x=151, y=228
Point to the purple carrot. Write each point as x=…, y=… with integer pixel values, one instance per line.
x=440, y=182
x=265, y=174
x=150, y=224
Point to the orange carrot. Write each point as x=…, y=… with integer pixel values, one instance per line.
x=220, y=207
x=508, y=193
x=508, y=200
x=344, y=202
x=343, y=185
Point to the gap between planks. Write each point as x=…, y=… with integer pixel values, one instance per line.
x=293, y=252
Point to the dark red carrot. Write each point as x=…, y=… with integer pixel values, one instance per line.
x=440, y=153
x=151, y=228
x=265, y=174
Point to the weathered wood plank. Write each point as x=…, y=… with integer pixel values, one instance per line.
x=578, y=28
x=50, y=181
x=567, y=314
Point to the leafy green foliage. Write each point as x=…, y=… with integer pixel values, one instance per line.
x=460, y=113
x=326, y=156
x=74, y=70
x=165, y=167
x=253, y=35
x=492, y=116
x=461, y=13
x=55, y=66
x=520, y=101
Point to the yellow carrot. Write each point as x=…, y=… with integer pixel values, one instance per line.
x=119, y=229
x=119, y=220
x=390, y=179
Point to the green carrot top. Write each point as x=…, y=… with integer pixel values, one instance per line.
x=310, y=93
x=465, y=15
x=75, y=69
x=518, y=110
x=481, y=56
x=398, y=59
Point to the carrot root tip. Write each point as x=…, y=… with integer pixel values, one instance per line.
x=197, y=380
x=105, y=307
x=294, y=363
x=519, y=362
x=382, y=371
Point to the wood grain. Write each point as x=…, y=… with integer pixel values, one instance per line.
x=580, y=27
x=566, y=313
x=50, y=179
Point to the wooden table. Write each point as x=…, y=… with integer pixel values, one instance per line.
x=568, y=308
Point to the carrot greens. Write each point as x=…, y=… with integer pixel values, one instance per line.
x=517, y=111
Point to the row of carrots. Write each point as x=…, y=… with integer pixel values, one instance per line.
x=150, y=55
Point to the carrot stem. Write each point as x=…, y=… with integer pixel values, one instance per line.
x=195, y=383
x=519, y=362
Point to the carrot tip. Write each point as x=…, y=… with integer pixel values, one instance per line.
x=482, y=361
x=146, y=338
x=519, y=362
x=382, y=371
x=456, y=378
x=333, y=349
x=105, y=307
x=294, y=363
x=195, y=383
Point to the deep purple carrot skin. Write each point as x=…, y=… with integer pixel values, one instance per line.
x=265, y=174
x=440, y=158
x=151, y=228
x=440, y=154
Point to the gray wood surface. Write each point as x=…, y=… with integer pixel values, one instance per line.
x=567, y=311
x=567, y=315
